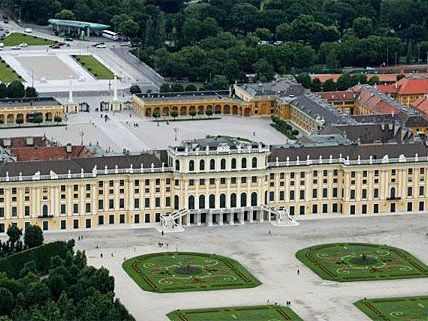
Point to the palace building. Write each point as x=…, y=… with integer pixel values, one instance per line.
x=215, y=181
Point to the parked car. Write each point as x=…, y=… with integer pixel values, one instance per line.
x=23, y=45
x=28, y=30
x=1, y=45
x=101, y=45
x=5, y=21
x=69, y=39
x=98, y=43
x=15, y=48
x=55, y=46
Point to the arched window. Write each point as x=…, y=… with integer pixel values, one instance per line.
x=233, y=200
x=177, y=165
x=201, y=165
x=392, y=192
x=212, y=164
x=201, y=201
x=191, y=202
x=254, y=199
x=233, y=164
x=244, y=163
x=222, y=200
x=254, y=162
x=176, y=202
x=243, y=199
x=223, y=163
x=212, y=201
x=191, y=165
x=45, y=211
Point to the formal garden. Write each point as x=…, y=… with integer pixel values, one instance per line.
x=16, y=38
x=347, y=262
x=397, y=309
x=183, y=271
x=252, y=313
x=94, y=66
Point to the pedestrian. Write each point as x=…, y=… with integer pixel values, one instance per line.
x=298, y=272
x=270, y=232
x=101, y=255
x=162, y=233
x=267, y=301
x=112, y=255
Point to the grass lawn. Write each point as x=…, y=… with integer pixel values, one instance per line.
x=361, y=262
x=254, y=313
x=7, y=74
x=397, y=309
x=94, y=66
x=15, y=39
x=182, y=271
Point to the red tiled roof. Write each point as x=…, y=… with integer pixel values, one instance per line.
x=337, y=95
x=15, y=142
x=421, y=104
x=407, y=86
x=376, y=103
x=49, y=153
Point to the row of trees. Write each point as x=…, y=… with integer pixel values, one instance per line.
x=71, y=290
x=229, y=38
x=344, y=82
x=16, y=90
x=33, y=237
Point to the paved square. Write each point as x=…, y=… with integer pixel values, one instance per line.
x=361, y=262
x=255, y=313
x=397, y=309
x=179, y=272
x=269, y=257
x=47, y=67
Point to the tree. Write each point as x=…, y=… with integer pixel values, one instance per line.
x=19, y=120
x=363, y=27
x=264, y=34
x=344, y=82
x=33, y=236
x=305, y=80
x=373, y=80
x=65, y=14
x=264, y=70
x=15, y=89
x=156, y=115
x=329, y=85
x=135, y=90
x=38, y=119
x=316, y=85
x=7, y=301
x=220, y=82
x=57, y=119
x=128, y=28
x=3, y=90
x=14, y=233
x=31, y=92
x=209, y=112
x=192, y=113
x=190, y=87
x=174, y=114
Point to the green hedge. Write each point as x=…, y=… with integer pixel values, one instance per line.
x=41, y=255
x=282, y=126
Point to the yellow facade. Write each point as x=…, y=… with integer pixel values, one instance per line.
x=218, y=182
x=11, y=110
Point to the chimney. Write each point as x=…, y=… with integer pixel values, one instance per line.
x=68, y=148
x=29, y=141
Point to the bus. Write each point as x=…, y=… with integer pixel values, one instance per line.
x=110, y=35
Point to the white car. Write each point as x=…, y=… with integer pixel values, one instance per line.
x=101, y=45
x=23, y=45
x=28, y=30
x=1, y=45
x=15, y=48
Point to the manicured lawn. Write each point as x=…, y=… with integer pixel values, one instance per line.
x=361, y=262
x=7, y=74
x=254, y=313
x=397, y=309
x=182, y=271
x=15, y=39
x=94, y=66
